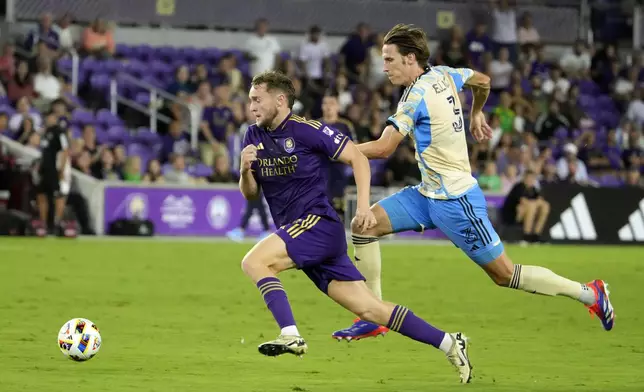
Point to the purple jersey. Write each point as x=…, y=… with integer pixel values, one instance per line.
x=292, y=167
x=338, y=179
x=218, y=119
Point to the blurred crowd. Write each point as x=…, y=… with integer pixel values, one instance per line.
x=577, y=118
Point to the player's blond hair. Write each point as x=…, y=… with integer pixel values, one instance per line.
x=275, y=80
x=409, y=39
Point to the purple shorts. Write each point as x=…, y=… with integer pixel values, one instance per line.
x=318, y=246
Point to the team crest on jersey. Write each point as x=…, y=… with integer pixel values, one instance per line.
x=289, y=144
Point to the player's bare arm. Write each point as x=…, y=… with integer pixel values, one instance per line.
x=351, y=155
x=384, y=146
x=479, y=83
x=247, y=184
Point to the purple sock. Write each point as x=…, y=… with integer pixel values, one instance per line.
x=405, y=322
x=276, y=300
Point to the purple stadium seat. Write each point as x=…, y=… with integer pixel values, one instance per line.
x=107, y=119
x=189, y=53
x=200, y=170
x=123, y=50
x=561, y=134
x=587, y=87
x=212, y=55
x=100, y=81
x=102, y=136
x=90, y=64
x=82, y=117
x=117, y=135
x=166, y=53
x=146, y=137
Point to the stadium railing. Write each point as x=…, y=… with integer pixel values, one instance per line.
x=157, y=98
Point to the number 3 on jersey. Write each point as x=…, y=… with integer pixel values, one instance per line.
x=458, y=124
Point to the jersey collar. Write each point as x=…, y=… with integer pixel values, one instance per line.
x=282, y=125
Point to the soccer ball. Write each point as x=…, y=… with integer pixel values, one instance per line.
x=79, y=339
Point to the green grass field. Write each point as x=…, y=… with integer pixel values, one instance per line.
x=178, y=316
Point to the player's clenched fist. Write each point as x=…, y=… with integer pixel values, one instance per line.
x=248, y=156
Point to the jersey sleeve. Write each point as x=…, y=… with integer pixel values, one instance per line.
x=405, y=117
x=328, y=141
x=460, y=76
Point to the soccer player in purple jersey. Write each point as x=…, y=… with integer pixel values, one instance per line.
x=287, y=157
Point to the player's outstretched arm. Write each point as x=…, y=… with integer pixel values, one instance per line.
x=351, y=155
x=247, y=183
x=479, y=83
x=384, y=146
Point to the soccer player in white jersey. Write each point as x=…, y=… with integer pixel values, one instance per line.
x=448, y=198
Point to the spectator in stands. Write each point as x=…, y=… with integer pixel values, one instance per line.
x=120, y=156
x=635, y=111
x=262, y=49
x=547, y=123
x=313, y=58
x=153, y=173
x=98, y=40
x=501, y=71
x=556, y=85
x=576, y=63
x=527, y=35
x=375, y=75
x=520, y=124
x=21, y=85
x=47, y=86
x=181, y=81
x=353, y=53
x=65, y=36
x=45, y=33
x=132, y=172
x=570, y=168
x=625, y=85
x=60, y=109
x=203, y=96
x=505, y=113
x=490, y=179
x=4, y=124
x=201, y=74
x=7, y=63
x=216, y=126
x=25, y=130
x=345, y=98
x=633, y=155
x=221, y=172
x=601, y=63
x=227, y=72
x=505, y=27
x=303, y=102
x=509, y=179
x=83, y=163
x=524, y=204
x=106, y=169
x=177, y=173
x=90, y=145
x=549, y=173
x=453, y=51
x=24, y=110
x=633, y=178
x=478, y=42
x=33, y=141
x=176, y=141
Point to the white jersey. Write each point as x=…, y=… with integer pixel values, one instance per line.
x=430, y=113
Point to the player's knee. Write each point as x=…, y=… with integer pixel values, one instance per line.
x=374, y=231
x=253, y=265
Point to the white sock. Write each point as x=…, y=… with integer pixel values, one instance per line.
x=446, y=343
x=539, y=280
x=291, y=330
x=368, y=261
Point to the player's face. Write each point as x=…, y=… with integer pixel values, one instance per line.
x=330, y=106
x=263, y=105
x=395, y=65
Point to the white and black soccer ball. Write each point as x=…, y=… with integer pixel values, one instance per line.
x=79, y=339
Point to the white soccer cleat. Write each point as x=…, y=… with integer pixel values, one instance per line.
x=284, y=344
x=458, y=356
